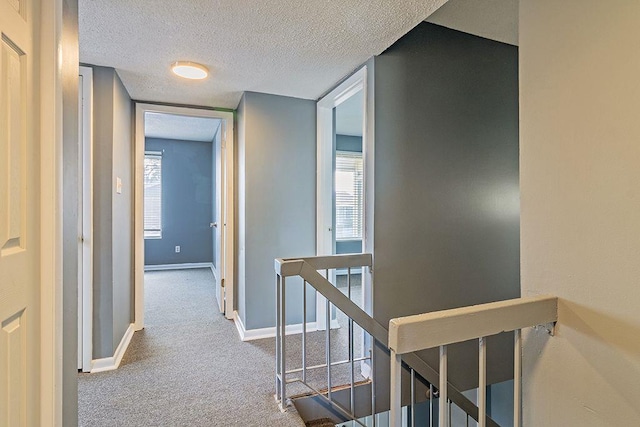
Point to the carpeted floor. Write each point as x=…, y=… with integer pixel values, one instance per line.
x=186, y=368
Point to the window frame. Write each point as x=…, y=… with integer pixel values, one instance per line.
x=359, y=224
x=153, y=234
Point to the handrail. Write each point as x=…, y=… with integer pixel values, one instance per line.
x=307, y=269
x=287, y=267
x=430, y=330
x=441, y=328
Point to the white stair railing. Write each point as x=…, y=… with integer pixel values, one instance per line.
x=442, y=328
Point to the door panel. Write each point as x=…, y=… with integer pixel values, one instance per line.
x=19, y=218
x=217, y=231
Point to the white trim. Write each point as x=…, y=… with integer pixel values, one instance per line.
x=228, y=201
x=51, y=107
x=261, y=333
x=85, y=333
x=325, y=233
x=113, y=362
x=184, y=266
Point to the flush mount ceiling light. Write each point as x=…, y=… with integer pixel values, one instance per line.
x=190, y=70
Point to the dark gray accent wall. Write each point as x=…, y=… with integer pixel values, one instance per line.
x=113, y=212
x=277, y=200
x=70, y=211
x=186, y=203
x=446, y=210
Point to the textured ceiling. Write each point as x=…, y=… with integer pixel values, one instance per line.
x=491, y=19
x=182, y=128
x=298, y=49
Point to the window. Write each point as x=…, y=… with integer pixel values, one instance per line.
x=349, y=195
x=153, y=195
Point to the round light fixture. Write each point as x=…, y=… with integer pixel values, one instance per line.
x=190, y=70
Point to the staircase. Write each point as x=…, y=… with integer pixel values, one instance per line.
x=342, y=389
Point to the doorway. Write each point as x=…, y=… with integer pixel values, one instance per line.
x=341, y=208
x=159, y=131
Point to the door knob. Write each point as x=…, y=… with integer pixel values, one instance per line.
x=213, y=224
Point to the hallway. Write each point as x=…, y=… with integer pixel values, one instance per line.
x=186, y=368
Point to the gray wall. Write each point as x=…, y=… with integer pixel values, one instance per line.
x=277, y=200
x=113, y=213
x=446, y=210
x=187, y=203
x=70, y=206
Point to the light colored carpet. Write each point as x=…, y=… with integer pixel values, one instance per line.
x=187, y=368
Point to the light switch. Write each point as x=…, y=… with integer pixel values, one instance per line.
x=118, y=185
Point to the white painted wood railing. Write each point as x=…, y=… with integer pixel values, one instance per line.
x=315, y=273
x=441, y=328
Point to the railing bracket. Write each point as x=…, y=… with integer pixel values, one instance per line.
x=549, y=328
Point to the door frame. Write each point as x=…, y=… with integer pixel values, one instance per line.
x=85, y=218
x=50, y=103
x=325, y=233
x=228, y=200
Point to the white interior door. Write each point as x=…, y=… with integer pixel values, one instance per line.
x=217, y=224
x=19, y=215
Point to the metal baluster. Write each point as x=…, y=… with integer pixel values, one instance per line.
x=517, y=378
x=482, y=382
x=278, y=349
x=443, y=416
x=396, y=389
x=413, y=398
x=431, y=405
x=449, y=403
x=304, y=331
x=328, y=349
x=467, y=420
x=373, y=388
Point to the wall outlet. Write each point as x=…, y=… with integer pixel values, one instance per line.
x=177, y=249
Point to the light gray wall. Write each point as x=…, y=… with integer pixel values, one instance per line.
x=277, y=196
x=187, y=203
x=70, y=210
x=113, y=213
x=446, y=210
x=123, y=217
x=103, y=83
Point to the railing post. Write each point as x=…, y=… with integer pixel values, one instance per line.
x=278, y=349
x=482, y=382
x=443, y=419
x=396, y=390
x=283, y=349
x=517, y=378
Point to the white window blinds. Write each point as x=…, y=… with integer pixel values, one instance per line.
x=349, y=195
x=153, y=195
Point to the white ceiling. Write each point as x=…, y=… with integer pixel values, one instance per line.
x=491, y=19
x=298, y=49
x=349, y=115
x=182, y=128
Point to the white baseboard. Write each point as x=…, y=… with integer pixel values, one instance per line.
x=112, y=363
x=187, y=265
x=257, y=334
